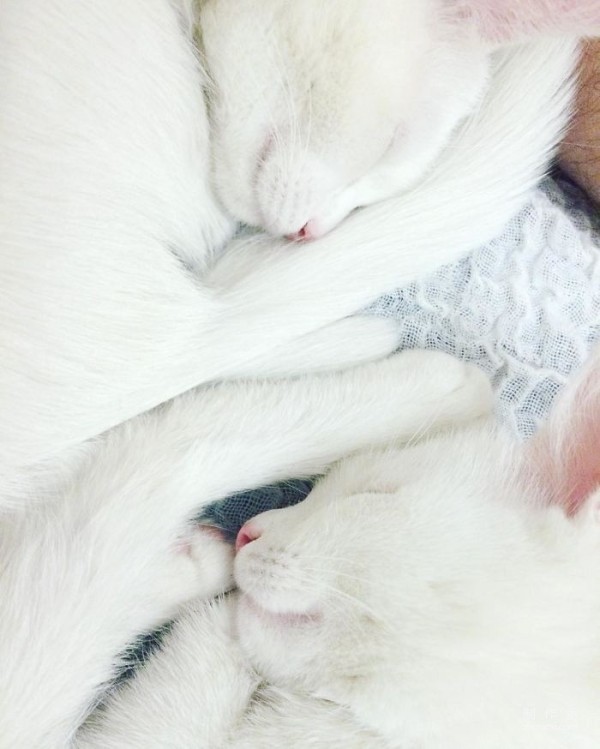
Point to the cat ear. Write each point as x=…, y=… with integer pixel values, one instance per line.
x=501, y=22
x=563, y=458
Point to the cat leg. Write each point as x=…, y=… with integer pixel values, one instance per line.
x=349, y=342
x=191, y=693
x=346, y=343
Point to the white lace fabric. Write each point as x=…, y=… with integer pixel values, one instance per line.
x=526, y=307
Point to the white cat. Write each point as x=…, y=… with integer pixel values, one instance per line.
x=113, y=555
x=104, y=190
x=441, y=595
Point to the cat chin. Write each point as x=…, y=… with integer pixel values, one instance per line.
x=250, y=609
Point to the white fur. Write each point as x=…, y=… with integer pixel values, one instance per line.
x=98, y=564
x=422, y=596
x=104, y=189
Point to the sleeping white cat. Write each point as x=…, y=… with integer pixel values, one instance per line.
x=113, y=554
x=441, y=595
x=104, y=190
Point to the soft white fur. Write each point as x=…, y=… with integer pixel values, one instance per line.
x=105, y=205
x=112, y=555
x=423, y=596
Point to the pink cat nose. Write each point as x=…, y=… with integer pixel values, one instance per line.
x=247, y=534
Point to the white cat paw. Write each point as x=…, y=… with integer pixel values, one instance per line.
x=429, y=388
x=200, y=565
x=472, y=395
x=458, y=390
x=212, y=557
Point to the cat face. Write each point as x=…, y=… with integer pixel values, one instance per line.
x=408, y=575
x=377, y=553
x=318, y=108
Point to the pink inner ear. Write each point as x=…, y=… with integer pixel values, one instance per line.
x=505, y=21
x=564, y=458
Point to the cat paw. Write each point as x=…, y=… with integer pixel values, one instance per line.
x=211, y=555
x=471, y=395
x=200, y=565
x=430, y=388
x=458, y=390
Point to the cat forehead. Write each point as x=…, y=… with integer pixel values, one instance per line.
x=315, y=41
x=477, y=456
x=337, y=22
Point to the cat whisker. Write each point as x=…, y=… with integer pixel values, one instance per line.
x=339, y=573
x=342, y=596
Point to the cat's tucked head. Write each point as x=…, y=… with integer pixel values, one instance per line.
x=446, y=565
x=321, y=107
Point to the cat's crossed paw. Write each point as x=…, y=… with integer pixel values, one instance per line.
x=453, y=389
x=200, y=565
x=421, y=390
